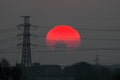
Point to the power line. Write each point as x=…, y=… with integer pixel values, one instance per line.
x=81, y=49
x=85, y=29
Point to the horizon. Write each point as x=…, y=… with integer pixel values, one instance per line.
x=97, y=21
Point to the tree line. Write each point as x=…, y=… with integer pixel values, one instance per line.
x=86, y=71
x=81, y=71
x=8, y=72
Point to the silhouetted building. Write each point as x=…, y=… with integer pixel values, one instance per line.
x=44, y=72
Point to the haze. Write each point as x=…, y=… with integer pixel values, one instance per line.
x=86, y=14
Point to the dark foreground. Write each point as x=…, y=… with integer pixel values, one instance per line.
x=78, y=71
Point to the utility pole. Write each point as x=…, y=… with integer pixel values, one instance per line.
x=26, y=60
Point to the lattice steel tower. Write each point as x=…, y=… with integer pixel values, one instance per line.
x=26, y=45
x=97, y=60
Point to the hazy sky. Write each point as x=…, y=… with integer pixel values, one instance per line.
x=85, y=14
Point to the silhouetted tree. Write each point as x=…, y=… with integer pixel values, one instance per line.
x=82, y=71
x=85, y=71
x=16, y=73
x=104, y=73
x=116, y=74
x=7, y=72
x=5, y=69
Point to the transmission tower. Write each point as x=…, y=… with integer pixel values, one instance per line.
x=97, y=60
x=26, y=60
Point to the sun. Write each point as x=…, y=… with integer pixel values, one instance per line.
x=65, y=34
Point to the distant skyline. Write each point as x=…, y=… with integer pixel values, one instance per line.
x=81, y=14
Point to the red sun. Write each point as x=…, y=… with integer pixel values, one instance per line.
x=63, y=33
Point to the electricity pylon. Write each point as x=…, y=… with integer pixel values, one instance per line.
x=97, y=60
x=26, y=60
